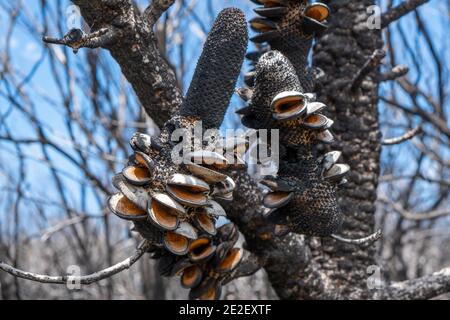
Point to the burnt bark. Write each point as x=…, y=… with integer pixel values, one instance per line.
x=341, y=53
x=302, y=267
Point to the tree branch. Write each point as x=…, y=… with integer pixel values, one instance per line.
x=88, y=279
x=366, y=241
x=434, y=214
x=77, y=39
x=156, y=9
x=407, y=136
x=371, y=64
x=399, y=11
x=136, y=51
x=394, y=73
x=426, y=287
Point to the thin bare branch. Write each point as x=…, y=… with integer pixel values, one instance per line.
x=427, y=287
x=156, y=9
x=87, y=279
x=434, y=214
x=399, y=11
x=371, y=64
x=394, y=73
x=366, y=241
x=77, y=39
x=407, y=136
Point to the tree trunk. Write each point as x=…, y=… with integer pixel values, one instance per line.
x=310, y=268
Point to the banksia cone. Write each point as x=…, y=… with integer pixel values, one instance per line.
x=218, y=69
x=171, y=202
x=303, y=196
x=289, y=26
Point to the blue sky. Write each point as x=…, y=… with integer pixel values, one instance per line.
x=26, y=51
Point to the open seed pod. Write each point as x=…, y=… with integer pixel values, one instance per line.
x=136, y=194
x=314, y=17
x=277, y=199
x=244, y=93
x=144, y=160
x=209, y=289
x=215, y=209
x=221, y=252
x=336, y=172
x=262, y=24
x=317, y=121
x=180, y=265
x=329, y=159
x=137, y=175
x=125, y=209
x=230, y=261
x=315, y=107
x=188, y=190
x=175, y=243
x=271, y=12
x=208, y=158
x=186, y=230
x=277, y=184
x=228, y=233
x=201, y=250
x=163, y=212
x=317, y=11
x=289, y=105
x=205, y=222
x=206, y=174
x=325, y=136
x=224, y=189
x=191, y=277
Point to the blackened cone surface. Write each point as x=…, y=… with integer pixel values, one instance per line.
x=218, y=69
x=274, y=74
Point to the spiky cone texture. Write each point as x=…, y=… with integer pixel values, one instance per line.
x=289, y=26
x=303, y=195
x=171, y=202
x=218, y=69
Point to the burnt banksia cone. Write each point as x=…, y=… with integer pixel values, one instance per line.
x=289, y=26
x=172, y=203
x=303, y=195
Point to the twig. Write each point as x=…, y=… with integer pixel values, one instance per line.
x=88, y=279
x=62, y=225
x=156, y=9
x=370, y=65
x=407, y=136
x=399, y=11
x=76, y=39
x=394, y=73
x=426, y=287
x=412, y=215
x=366, y=241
